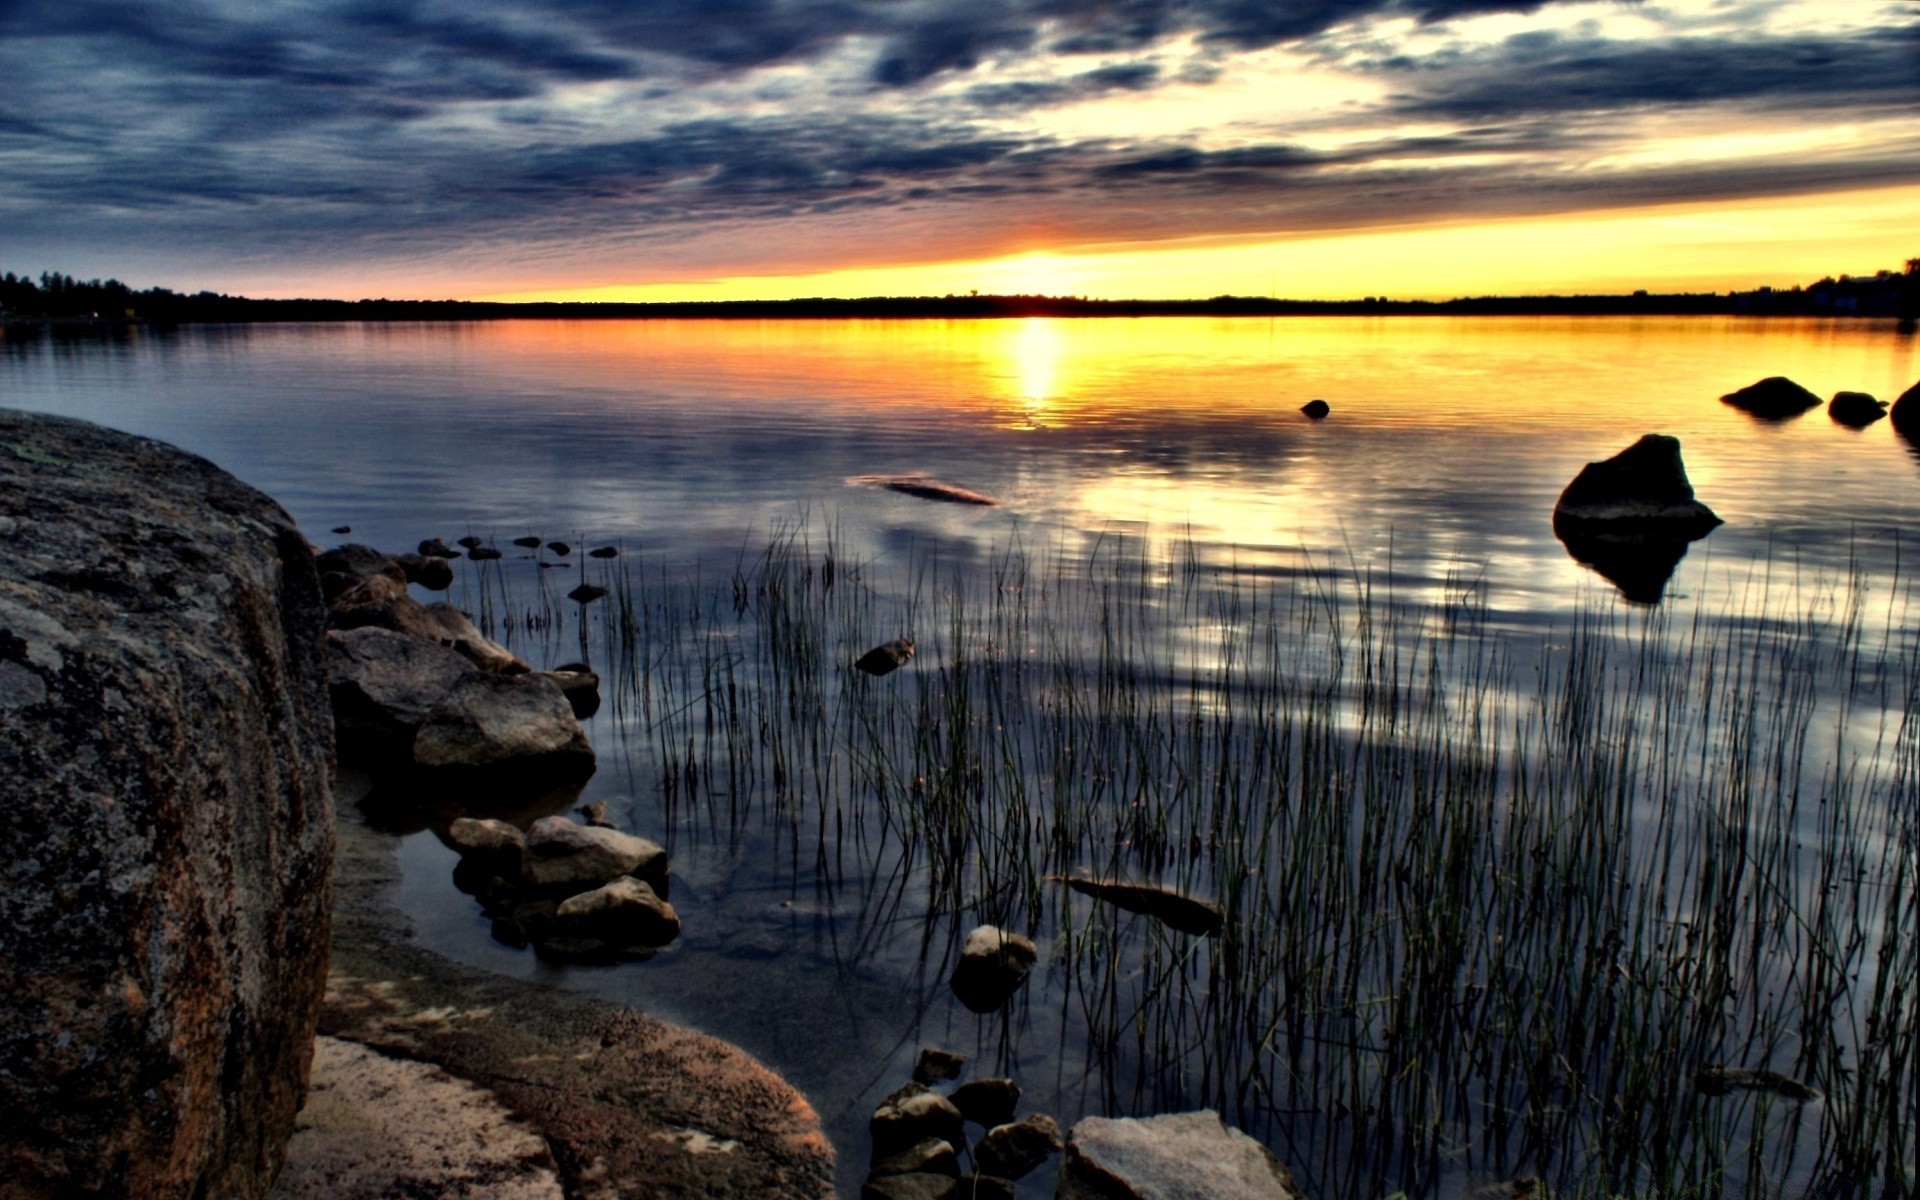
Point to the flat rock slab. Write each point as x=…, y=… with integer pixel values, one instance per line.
x=377, y=1127
x=628, y=1106
x=1180, y=1156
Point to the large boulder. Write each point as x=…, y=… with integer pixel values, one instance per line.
x=1180, y=1156
x=1905, y=413
x=1775, y=398
x=1632, y=516
x=165, y=858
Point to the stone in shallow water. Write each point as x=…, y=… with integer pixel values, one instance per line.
x=1180, y=1156
x=1774, y=397
x=1013, y=1150
x=1856, y=409
x=993, y=964
x=625, y=912
x=987, y=1102
x=1632, y=516
x=1315, y=409
x=930, y=1156
x=562, y=853
x=504, y=721
x=886, y=658
x=1187, y=914
x=430, y=571
x=937, y=1066
x=911, y=1115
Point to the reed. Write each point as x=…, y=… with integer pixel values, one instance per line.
x=1494, y=892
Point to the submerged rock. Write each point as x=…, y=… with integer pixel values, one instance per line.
x=911, y=1115
x=993, y=964
x=166, y=755
x=937, y=1066
x=1012, y=1151
x=1316, y=409
x=483, y=554
x=1172, y=1157
x=917, y=1186
x=987, y=1102
x=923, y=488
x=1718, y=1081
x=1856, y=409
x=931, y=1156
x=1774, y=398
x=1184, y=913
x=887, y=658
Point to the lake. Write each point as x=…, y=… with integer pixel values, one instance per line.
x=1507, y=855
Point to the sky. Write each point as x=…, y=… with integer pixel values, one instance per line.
x=669, y=149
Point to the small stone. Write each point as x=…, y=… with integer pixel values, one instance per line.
x=1202, y=918
x=603, y=552
x=1856, y=409
x=910, y=1116
x=428, y=570
x=435, y=548
x=937, y=1066
x=1012, y=1151
x=987, y=1102
x=560, y=548
x=586, y=593
x=886, y=659
x=992, y=966
x=1316, y=409
x=529, y=543
x=625, y=912
x=343, y=529
x=595, y=814
x=582, y=688
x=565, y=854
x=469, y=541
x=483, y=554
x=931, y=1156
x=495, y=843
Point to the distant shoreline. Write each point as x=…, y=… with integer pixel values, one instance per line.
x=200, y=310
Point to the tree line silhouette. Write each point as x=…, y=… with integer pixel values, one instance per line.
x=59, y=298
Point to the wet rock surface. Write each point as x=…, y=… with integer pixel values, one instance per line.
x=166, y=743
x=1013, y=1150
x=1180, y=1156
x=1188, y=914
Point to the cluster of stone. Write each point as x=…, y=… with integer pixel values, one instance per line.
x=417, y=686
x=576, y=892
x=919, y=1137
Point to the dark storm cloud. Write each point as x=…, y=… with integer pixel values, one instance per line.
x=281, y=127
x=1545, y=74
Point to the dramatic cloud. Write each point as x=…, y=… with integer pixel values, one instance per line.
x=282, y=131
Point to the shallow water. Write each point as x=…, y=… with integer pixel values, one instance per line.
x=688, y=443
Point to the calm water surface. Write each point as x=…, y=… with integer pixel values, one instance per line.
x=689, y=443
